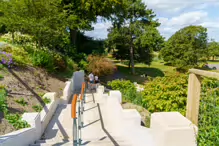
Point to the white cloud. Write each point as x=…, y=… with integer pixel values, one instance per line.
x=170, y=26
x=173, y=6
x=189, y=18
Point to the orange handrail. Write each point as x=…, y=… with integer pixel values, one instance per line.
x=73, y=106
x=82, y=91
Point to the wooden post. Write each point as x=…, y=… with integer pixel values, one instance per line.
x=193, y=99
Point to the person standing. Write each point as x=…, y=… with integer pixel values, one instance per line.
x=91, y=79
x=96, y=80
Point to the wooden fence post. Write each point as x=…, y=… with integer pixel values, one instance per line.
x=193, y=98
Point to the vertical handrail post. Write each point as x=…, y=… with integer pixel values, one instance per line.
x=84, y=92
x=73, y=115
x=82, y=103
x=79, y=123
x=82, y=113
x=75, y=137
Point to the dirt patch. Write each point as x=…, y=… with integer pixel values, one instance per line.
x=30, y=84
x=145, y=114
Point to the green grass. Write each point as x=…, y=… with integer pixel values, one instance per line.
x=46, y=100
x=21, y=102
x=213, y=62
x=156, y=69
x=37, y=108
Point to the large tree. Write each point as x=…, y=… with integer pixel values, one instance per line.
x=186, y=47
x=81, y=14
x=134, y=33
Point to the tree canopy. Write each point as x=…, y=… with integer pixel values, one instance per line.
x=186, y=47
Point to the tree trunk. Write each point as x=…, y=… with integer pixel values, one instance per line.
x=73, y=36
x=129, y=63
x=132, y=59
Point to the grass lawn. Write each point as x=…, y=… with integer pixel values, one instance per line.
x=156, y=69
x=213, y=62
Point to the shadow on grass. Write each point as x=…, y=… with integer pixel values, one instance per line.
x=216, y=61
x=125, y=73
x=150, y=71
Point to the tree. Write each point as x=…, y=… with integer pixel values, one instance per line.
x=186, y=47
x=131, y=24
x=44, y=20
x=213, y=49
x=81, y=14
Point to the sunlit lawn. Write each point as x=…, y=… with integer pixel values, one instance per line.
x=213, y=61
x=157, y=68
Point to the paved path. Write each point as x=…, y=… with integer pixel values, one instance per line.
x=213, y=65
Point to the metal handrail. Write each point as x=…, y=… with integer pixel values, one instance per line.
x=74, y=117
x=82, y=98
x=78, y=119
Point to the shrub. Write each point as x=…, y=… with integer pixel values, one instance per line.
x=20, y=56
x=169, y=93
x=128, y=90
x=7, y=37
x=3, y=104
x=71, y=64
x=29, y=47
x=6, y=48
x=22, y=38
x=21, y=102
x=59, y=62
x=46, y=100
x=83, y=65
x=99, y=65
x=16, y=121
x=44, y=59
x=37, y=108
x=209, y=109
x=1, y=66
x=166, y=94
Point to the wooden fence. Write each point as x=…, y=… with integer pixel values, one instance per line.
x=194, y=92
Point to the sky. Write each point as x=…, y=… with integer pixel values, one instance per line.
x=174, y=15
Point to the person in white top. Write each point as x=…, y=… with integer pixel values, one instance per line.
x=96, y=79
x=91, y=81
x=91, y=78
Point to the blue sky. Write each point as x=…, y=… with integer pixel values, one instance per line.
x=175, y=14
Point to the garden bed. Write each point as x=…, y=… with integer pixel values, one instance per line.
x=25, y=88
